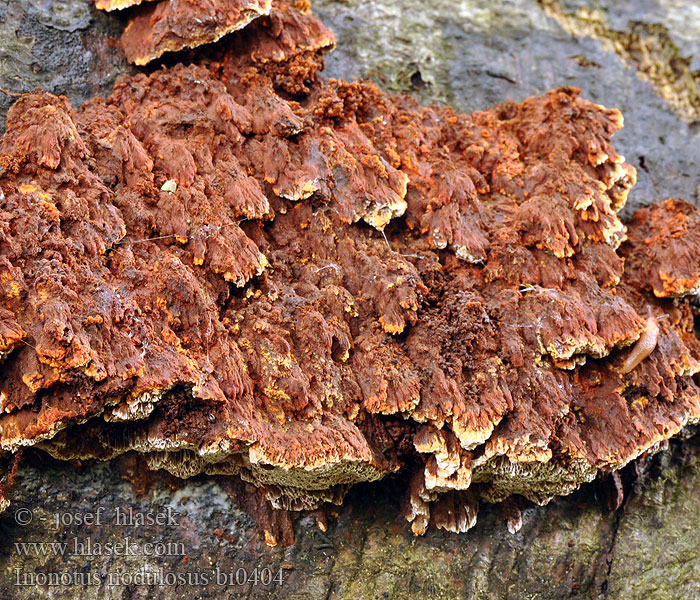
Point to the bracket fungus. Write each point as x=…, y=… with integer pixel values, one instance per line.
x=242, y=270
x=288, y=33
x=171, y=25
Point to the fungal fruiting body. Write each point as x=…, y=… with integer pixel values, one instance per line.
x=172, y=25
x=166, y=293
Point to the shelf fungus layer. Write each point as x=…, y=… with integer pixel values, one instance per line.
x=241, y=270
x=283, y=30
x=172, y=25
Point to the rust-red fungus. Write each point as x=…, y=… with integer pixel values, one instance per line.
x=242, y=270
x=171, y=25
x=116, y=4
